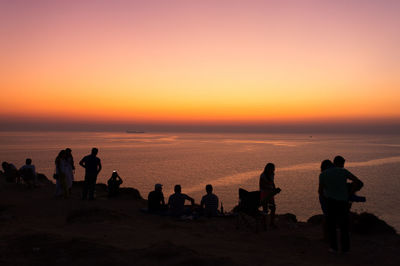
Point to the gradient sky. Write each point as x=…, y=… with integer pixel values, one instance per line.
x=200, y=61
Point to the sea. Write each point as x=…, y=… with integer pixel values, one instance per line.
x=228, y=161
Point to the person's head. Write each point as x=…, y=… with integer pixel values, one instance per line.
x=94, y=151
x=269, y=168
x=68, y=151
x=157, y=187
x=177, y=189
x=62, y=154
x=339, y=161
x=326, y=164
x=28, y=161
x=5, y=166
x=114, y=174
x=209, y=189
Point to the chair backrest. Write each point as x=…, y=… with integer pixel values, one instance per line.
x=249, y=202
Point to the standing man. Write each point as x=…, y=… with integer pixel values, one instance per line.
x=92, y=166
x=333, y=184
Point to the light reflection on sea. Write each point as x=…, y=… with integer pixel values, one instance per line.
x=228, y=161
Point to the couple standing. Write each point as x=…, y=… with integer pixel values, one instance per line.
x=335, y=195
x=64, y=173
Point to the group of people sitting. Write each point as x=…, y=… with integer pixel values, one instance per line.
x=335, y=193
x=26, y=174
x=176, y=203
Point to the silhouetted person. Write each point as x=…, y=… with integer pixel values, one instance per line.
x=268, y=190
x=209, y=203
x=28, y=173
x=352, y=187
x=176, y=202
x=70, y=169
x=326, y=164
x=155, y=200
x=10, y=172
x=333, y=184
x=113, y=184
x=60, y=175
x=92, y=166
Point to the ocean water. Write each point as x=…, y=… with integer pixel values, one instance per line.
x=227, y=161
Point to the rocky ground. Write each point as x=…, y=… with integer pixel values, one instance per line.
x=38, y=229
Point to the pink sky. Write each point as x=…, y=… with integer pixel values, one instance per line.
x=201, y=61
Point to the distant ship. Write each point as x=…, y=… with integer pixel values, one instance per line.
x=134, y=132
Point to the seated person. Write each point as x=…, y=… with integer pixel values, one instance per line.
x=176, y=202
x=156, y=201
x=209, y=203
x=10, y=172
x=28, y=173
x=113, y=184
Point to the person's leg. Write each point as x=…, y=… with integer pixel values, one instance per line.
x=85, y=188
x=92, y=186
x=272, y=208
x=64, y=185
x=331, y=220
x=344, y=227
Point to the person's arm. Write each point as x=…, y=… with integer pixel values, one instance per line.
x=352, y=177
x=357, y=183
x=82, y=162
x=320, y=187
x=99, y=167
x=162, y=200
x=189, y=198
x=169, y=202
x=202, y=204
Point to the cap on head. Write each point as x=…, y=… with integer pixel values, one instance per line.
x=157, y=186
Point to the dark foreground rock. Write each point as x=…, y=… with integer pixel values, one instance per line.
x=102, y=191
x=364, y=224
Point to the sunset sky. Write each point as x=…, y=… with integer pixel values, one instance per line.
x=200, y=61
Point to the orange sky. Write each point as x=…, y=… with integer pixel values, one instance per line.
x=243, y=61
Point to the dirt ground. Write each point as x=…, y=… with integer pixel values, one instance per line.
x=39, y=229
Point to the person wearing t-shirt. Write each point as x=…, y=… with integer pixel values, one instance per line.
x=92, y=165
x=156, y=201
x=209, y=202
x=176, y=202
x=333, y=184
x=28, y=173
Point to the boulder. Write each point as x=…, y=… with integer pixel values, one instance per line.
x=42, y=179
x=364, y=223
x=367, y=223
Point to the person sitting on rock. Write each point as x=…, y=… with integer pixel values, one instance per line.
x=209, y=202
x=176, y=203
x=10, y=172
x=113, y=184
x=28, y=173
x=156, y=201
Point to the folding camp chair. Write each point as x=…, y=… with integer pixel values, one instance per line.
x=249, y=204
